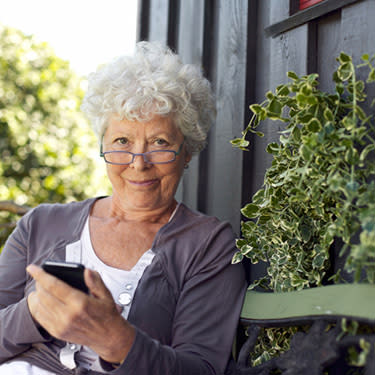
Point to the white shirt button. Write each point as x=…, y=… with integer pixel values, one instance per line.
x=124, y=299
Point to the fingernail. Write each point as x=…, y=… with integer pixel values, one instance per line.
x=31, y=268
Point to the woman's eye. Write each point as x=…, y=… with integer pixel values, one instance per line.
x=161, y=142
x=121, y=141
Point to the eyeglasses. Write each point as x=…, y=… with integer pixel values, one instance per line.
x=151, y=157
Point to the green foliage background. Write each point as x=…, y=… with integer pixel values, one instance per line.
x=47, y=148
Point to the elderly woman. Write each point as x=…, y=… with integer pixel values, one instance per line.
x=163, y=296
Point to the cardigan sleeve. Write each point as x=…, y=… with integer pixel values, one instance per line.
x=17, y=328
x=205, y=320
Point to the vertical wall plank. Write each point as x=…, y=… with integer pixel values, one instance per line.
x=190, y=48
x=158, y=20
x=225, y=163
x=358, y=34
x=280, y=10
x=329, y=47
x=358, y=28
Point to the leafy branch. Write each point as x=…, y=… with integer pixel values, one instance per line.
x=319, y=186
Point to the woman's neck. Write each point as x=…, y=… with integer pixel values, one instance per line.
x=110, y=208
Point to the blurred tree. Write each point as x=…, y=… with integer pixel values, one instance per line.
x=47, y=148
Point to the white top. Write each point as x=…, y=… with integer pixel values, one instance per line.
x=21, y=367
x=122, y=284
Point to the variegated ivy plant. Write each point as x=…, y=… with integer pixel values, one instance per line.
x=320, y=186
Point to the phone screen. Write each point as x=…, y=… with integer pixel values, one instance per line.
x=71, y=273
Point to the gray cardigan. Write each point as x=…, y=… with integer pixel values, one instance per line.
x=185, y=309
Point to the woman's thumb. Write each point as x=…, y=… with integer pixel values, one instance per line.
x=95, y=284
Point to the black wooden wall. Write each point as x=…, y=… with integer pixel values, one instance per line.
x=245, y=48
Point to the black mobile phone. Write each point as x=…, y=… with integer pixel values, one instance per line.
x=71, y=273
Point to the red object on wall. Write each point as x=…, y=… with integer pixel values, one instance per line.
x=303, y=4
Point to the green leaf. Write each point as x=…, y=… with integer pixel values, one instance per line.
x=314, y=125
x=293, y=76
x=371, y=76
x=305, y=231
x=360, y=86
x=365, y=57
x=366, y=151
x=312, y=100
x=306, y=152
x=275, y=107
x=301, y=99
x=318, y=261
x=305, y=118
x=352, y=186
x=349, y=122
x=269, y=95
x=237, y=257
x=351, y=156
x=345, y=71
x=344, y=58
x=296, y=134
x=273, y=148
x=258, y=197
x=263, y=219
x=240, y=143
x=360, y=112
x=340, y=88
x=282, y=90
x=250, y=211
x=258, y=133
x=306, y=89
x=328, y=115
x=256, y=108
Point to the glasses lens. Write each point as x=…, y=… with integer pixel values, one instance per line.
x=153, y=157
x=160, y=156
x=118, y=157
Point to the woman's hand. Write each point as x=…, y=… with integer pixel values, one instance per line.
x=70, y=315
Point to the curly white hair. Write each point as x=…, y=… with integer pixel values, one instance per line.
x=152, y=82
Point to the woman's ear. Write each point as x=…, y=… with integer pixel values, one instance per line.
x=188, y=157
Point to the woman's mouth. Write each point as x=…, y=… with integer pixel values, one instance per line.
x=143, y=182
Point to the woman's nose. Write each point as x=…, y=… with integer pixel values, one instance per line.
x=140, y=162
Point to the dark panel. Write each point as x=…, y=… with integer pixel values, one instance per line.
x=173, y=23
x=143, y=19
x=208, y=66
x=312, y=51
x=251, y=74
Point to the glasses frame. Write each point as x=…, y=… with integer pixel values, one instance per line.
x=144, y=154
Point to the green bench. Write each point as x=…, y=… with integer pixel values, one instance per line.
x=323, y=345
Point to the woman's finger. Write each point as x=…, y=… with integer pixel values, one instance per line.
x=96, y=285
x=51, y=284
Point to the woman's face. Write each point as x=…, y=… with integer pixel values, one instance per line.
x=142, y=186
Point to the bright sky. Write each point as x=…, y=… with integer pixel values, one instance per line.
x=85, y=32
